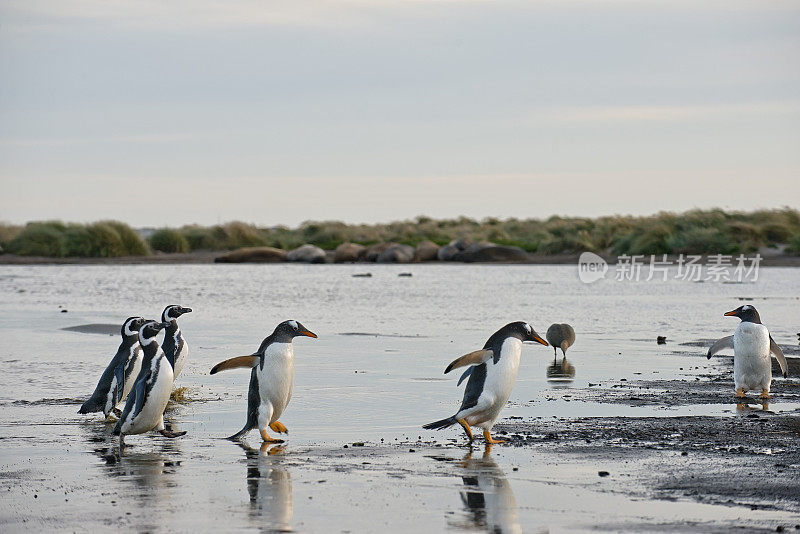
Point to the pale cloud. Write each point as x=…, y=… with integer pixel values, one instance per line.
x=178, y=14
x=175, y=14
x=666, y=113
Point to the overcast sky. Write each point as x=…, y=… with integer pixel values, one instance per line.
x=160, y=112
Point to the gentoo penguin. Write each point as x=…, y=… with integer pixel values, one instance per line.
x=117, y=380
x=175, y=348
x=752, y=345
x=145, y=405
x=491, y=378
x=271, y=379
x=560, y=336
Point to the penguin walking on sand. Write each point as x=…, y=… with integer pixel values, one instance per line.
x=560, y=336
x=175, y=347
x=271, y=379
x=117, y=380
x=752, y=345
x=145, y=405
x=492, y=373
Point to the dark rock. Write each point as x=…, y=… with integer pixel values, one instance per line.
x=349, y=253
x=253, y=255
x=603, y=473
x=374, y=251
x=661, y=340
x=396, y=254
x=362, y=275
x=406, y=275
x=306, y=254
x=489, y=252
x=448, y=252
x=426, y=251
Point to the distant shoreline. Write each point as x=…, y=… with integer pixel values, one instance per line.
x=207, y=257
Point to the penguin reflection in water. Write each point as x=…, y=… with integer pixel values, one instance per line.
x=271, y=379
x=269, y=484
x=145, y=405
x=487, y=495
x=492, y=372
x=752, y=345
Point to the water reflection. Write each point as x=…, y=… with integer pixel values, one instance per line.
x=269, y=485
x=148, y=465
x=746, y=407
x=487, y=497
x=560, y=371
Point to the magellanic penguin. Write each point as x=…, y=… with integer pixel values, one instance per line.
x=175, y=347
x=117, y=380
x=271, y=379
x=492, y=375
x=560, y=336
x=145, y=405
x=752, y=345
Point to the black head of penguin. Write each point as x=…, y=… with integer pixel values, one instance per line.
x=288, y=330
x=745, y=313
x=519, y=329
x=150, y=330
x=130, y=328
x=173, y=311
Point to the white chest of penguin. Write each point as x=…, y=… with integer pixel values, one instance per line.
x=500, y=376
x=276, y=378
x=157, y=396
x=751, y=351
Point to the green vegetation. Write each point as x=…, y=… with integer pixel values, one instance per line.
x=105, y=239
x=693, y=232
x=169, y=240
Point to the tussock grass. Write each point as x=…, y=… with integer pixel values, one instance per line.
x=180, y=395
x=697, y=232
x=55, y=239
x=169, y=240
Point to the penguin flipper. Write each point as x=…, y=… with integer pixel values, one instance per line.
x=119, y=373
x=129, y=404
x=237, y=362
x=465, y=375
x=473, y=358
x=138, y=389
x=778, y=353
x=721, y=344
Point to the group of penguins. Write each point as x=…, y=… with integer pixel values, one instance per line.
x=142, y=372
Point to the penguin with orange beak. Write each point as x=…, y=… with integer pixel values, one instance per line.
x=271, y=379
x=492, y=373
x=752, y=345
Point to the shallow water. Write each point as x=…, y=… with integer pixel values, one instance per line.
x=374, y=376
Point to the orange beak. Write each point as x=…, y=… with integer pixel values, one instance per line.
x=540, y=340
x=731, y=313
x=308, y=333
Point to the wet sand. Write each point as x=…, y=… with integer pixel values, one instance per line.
x=661, y=420
x=665, y=474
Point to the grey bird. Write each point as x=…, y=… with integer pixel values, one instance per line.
x=560, y=335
